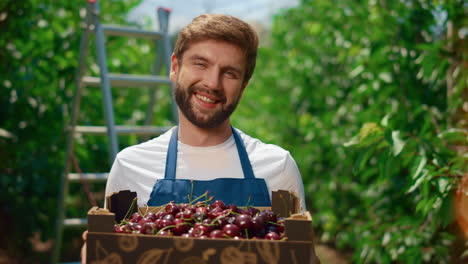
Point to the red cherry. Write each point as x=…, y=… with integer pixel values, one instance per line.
x=221, y=222
x=252, y=210
x=126, y=228
x=148, y=228
x=117, y=229
x=231, y=230
x=272, y=236
x=243, y=221
x=136, y=217
x=280, y=227
x=199, y=230
x=165, y=233
x=233, y=208
x=168, y=217
x=207, y=223
x=180, y=226
x=172, y=208
x=216, y=234
x=198, y=216
x=164, y=223
x=201, y=210
x=258, y=222
x=270, y=216
x=219, y=203
x=160, y=215
x=136, y=229
x=150, y=216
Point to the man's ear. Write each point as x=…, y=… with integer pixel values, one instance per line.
x=174, y=68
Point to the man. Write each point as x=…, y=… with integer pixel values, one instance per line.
x=213, y=60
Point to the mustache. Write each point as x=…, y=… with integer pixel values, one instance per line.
x=217, y=93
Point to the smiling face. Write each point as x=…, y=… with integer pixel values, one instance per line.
x=209, y=82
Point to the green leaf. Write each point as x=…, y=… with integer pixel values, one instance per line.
x=356, y=71
x=443, y=185
x=384, y=121
x=446, y=212
x=454, y=135
x=397, y=143
x=386, y=77
x=362, y=159
x=418, y=166
x=418, y=181
x=385, y=162
x=352, y=142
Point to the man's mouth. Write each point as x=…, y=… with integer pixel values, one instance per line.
x=205, y=99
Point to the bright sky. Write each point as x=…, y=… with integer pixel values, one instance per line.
x=183, y=11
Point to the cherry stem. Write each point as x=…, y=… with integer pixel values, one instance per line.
x=146, y=211
x=273, y=223
x=165, y=228
x=199, y=197
x=219, y=217
x=190, y=196
x=131, y=207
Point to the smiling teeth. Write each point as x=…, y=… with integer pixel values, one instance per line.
x=204, y=98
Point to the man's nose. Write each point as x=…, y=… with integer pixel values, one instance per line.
x=211, y=79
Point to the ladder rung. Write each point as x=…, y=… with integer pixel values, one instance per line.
x=75, y=222
x=123, y=130
x=88, y=176
x=128, y=80
x=113, y=30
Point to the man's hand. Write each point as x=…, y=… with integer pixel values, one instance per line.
x=83, y=249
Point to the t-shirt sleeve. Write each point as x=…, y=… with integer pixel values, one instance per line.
x=114, y=178
x=293, y=179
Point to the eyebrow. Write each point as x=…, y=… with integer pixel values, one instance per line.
x=198, y=57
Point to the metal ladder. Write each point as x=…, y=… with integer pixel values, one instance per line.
x=106, y=81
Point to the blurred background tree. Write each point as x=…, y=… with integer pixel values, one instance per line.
x=369, y=96
x=39, y=54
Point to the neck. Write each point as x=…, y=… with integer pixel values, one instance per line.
x=202, y=137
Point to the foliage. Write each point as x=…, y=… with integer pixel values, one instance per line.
x=39, y=60
x=377, y=70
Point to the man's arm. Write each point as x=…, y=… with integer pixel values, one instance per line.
x=83, y=248
x=292, y=180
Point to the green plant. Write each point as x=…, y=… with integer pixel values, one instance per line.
x=39, y=54
x=389, y=72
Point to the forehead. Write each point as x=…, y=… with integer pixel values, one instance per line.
x=216, y=51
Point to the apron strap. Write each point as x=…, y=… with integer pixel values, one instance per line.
x=243, y=156
x=171, y=159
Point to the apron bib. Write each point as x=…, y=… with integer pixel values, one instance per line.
x=239, y=191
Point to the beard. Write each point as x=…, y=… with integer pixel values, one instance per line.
x=210, y=119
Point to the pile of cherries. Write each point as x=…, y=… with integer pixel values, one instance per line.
x=202, y=220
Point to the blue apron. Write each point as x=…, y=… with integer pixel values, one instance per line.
x=241, y=192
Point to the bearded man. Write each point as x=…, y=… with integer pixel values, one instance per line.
x=213, y=60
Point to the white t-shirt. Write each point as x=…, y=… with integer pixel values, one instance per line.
x=137, y=168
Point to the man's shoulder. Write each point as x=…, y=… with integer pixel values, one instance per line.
x=155, y=146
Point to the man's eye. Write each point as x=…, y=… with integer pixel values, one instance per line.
x=231, y=74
